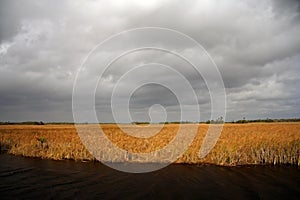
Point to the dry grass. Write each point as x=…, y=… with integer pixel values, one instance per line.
x=61, y=141
x=239, y=144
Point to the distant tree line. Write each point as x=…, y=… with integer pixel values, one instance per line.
x=219, y=120
x=178, y=122
x=137, y=123
x=242, y=121
x=23, y=123
x=33, y=123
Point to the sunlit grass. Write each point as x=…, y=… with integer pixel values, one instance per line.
x=239, y=144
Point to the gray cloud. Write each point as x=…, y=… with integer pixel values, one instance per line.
x=255, y=44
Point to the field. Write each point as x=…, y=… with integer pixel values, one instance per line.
x=239, y=144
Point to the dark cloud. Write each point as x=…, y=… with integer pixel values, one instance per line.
x=288, y=6
x=255, y=45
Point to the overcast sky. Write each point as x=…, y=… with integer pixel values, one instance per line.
x=255, y=44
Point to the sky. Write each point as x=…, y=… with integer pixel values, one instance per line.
x=254, y=44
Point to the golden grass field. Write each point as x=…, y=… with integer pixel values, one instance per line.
x=239, y=144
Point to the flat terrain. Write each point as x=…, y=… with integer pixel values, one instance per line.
x=239, y=144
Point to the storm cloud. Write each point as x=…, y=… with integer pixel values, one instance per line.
x=255, y=44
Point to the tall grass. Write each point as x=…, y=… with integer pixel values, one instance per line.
x=239, y=144
x=53, y=142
